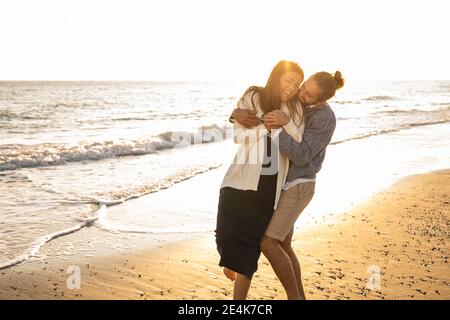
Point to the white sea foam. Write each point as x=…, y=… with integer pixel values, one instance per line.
x=18, y=156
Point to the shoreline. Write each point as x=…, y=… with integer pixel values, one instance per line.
x=407, y=240
x=190, y=207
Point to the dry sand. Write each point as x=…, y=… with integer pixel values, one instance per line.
x=403, y=231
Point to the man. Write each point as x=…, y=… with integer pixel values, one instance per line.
x=306, y=158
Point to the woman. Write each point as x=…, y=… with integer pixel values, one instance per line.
x=252, y=185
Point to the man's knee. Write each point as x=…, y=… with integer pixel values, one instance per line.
x=268, y=244
x=286, y=245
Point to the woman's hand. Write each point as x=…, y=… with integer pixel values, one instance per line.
x=276, y=119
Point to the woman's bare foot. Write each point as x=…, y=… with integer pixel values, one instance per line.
x=230, y=274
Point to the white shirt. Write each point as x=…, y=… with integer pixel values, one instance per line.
x=245, y=170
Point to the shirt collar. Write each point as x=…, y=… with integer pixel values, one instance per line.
x=314, y=106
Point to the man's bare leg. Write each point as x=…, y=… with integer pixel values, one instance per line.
x=287, y=246
x=282, y=265
x=241, y=287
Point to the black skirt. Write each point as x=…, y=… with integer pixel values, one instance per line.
x=242, y=219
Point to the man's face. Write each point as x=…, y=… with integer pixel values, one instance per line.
x=309, y=93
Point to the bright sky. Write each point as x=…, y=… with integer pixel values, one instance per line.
x=222, y=40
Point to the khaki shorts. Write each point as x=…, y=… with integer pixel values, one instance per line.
x=292, y=202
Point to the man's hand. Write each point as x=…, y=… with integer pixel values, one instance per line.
x=270, y=127
x=275, y=119
x=245, y=117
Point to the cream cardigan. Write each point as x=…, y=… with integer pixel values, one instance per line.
x=245, y=170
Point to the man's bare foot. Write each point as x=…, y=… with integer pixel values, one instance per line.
x=230, y=274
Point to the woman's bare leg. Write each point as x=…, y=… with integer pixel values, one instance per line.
x=241, y=287
x=230, y=274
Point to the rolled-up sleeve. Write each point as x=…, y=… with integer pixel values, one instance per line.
x=241, y=134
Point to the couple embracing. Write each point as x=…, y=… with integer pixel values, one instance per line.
x=282, y=130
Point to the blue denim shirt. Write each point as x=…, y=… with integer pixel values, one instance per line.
x=306, y=157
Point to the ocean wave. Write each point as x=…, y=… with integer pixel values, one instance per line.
x=390, y=130
x=16, y=156
x=412, y=111
x=100, y=216
x=399, y=111
x=380, y=98
x=133, y=118
x=164, y=183
x=43, y=240
x=346, y=118
x=436, y=104
x=5, y=114
x=9, y=115
x=346, y=102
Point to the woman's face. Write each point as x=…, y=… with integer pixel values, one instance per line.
x=289, y=84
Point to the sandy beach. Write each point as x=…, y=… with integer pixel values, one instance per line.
x=403, y=231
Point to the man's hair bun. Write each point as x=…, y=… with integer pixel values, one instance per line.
x=338, y=80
